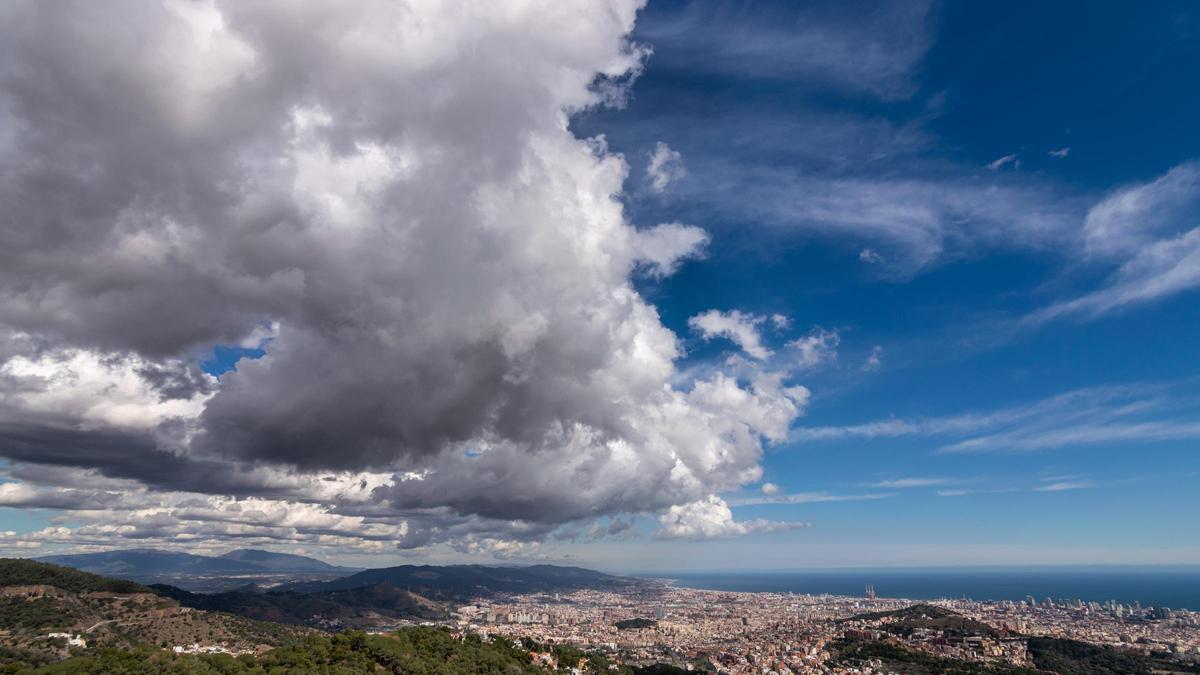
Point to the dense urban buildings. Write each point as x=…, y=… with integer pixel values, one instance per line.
x=789, y=633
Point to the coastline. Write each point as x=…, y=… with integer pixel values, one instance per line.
x=1171, y=587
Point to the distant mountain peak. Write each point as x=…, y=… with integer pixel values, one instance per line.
x=280, y=561
x=152, y=565
x=467, y=580
x=244, y=553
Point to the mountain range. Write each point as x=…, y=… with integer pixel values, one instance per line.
x=368, y=607
x=461, y=581
x=199, y=572
x=304, y=591
x=380, y=597
x=283, y=572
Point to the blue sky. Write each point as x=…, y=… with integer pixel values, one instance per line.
x=776, y=285
x=1015, y=438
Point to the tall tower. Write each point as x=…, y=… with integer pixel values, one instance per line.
x=870, y=592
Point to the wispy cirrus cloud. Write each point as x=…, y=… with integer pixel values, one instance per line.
x=1132, y=413
x=1048, y=487
x=1095, y=431
x=1158, y=270
x=1151, y=233
x=806, y=498
x=858, y=49
x=1061, y=486
x=1066, y=406
x=998, y=164
x=908, y=482
x=911, y=223
x=873, y=182
x=840, y=172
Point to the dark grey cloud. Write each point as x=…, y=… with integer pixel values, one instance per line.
x=124, y=454
x=394, y=190
x=176, y=379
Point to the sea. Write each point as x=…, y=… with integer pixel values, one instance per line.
x=1173, y=587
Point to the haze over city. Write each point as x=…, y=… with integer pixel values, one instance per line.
x=638, y=287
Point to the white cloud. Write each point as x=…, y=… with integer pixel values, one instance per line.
x=818, y=347
x=1007, y=159
x=739, y=328
x=134, y=514
x=98, y=388
x=665, y=166
x=712, y=518
x=1060, y=153
x=869, y=256
x=770, y=489
x=874, y=359
x=663, y=248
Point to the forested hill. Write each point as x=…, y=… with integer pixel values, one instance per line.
x=21, y=572
x=1046, y=654
x=284, y=562
x=411, y=650
x=292, y=573
x=466, y=580
x=923, y=616
x=48, y=613
x=364, y=607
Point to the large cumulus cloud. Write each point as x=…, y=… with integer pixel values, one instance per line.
x=388, y=192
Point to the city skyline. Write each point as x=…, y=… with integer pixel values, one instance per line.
x=694, y=285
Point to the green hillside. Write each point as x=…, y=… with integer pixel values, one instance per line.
x=40, y=599
x=850, y=653
x=1071, y=657
x=418, y=650
x=1047, y=654
x=906, y=620
x=364, y=608
x=21, y=572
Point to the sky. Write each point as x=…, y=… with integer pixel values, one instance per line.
x=681, y=286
